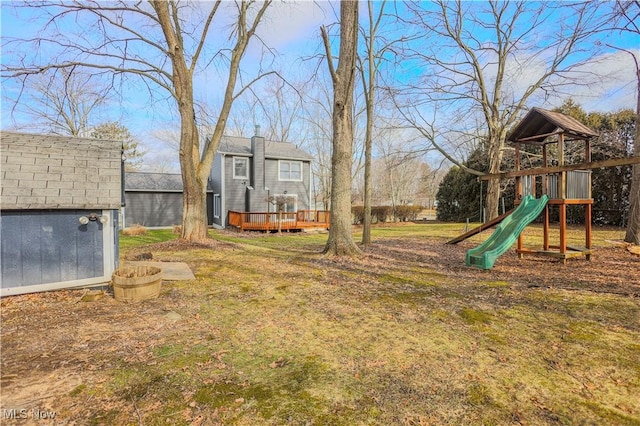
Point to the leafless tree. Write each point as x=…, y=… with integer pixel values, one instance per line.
x=487, y=59
x=165, y=43
x=397, y=172
x=280, y=202
x=62, y=102
x=627, y=15
x=340, y=241
x=369, y=68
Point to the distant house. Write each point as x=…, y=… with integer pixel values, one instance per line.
x=59, y=201
x=247, y=173
x=154, y=199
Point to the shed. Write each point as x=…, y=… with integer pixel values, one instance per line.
x=154, y=200
x=59, y=203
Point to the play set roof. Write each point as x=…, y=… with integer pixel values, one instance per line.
x=539, y=124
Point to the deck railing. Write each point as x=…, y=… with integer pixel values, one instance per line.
x=271, y=221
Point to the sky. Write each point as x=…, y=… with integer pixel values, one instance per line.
x=291, y=31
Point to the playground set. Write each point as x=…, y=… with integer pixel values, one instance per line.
x=556, y=183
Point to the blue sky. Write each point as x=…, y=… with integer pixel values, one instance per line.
x=292, y=30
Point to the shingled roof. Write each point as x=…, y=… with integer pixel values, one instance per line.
x=540, y=123
x=59, y=172
x=277, y=150
x=153, y=182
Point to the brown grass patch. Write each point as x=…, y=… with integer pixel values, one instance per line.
x=272, y=332
x=134, y=230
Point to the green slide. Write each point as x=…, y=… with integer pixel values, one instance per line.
x=485, y=255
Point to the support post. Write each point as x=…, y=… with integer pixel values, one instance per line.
x=545, y=244
x=518, y=178
x=563, y=231
x=563, y=174
x=545, y=177
x=587, y=228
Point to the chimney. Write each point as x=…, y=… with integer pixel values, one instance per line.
x=257, y=162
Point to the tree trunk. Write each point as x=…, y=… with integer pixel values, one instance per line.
x=366, y=225
x=194, y=199
x=340, y=241
x=194, y=216
x=633, y=225
x=493, y=185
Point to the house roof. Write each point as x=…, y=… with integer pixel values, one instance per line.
x=59, y=172
x=279, y=150
x=143, y=181
x=153, y=182
x=540, y=123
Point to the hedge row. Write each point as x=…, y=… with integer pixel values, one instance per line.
x=386, y=213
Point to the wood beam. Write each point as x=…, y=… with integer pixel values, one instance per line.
x=612, y=162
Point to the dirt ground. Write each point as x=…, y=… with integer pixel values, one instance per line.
x=54, y=343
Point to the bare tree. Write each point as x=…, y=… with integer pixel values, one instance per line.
x=63, y=102
x=281, y=105
x=369, y=75
x=487, y=60
x=165, y=43
x=280, y=202
x=340, y=241
x=626, y=14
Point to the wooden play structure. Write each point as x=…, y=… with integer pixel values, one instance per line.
x=565, y=187
x=563, y=183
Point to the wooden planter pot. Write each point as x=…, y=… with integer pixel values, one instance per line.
x=135, y=284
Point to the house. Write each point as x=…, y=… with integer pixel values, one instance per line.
x=248, y=173
x=155, y=200
x=59, y=204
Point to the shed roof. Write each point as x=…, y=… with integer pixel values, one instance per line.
x=59, y=172
x=540, y=123
x=277, y=150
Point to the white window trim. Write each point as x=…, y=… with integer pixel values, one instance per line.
x=246, y=160
x=290, y=162
x=219, y=209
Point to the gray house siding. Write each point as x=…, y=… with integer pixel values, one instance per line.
x=217, y=183
x=48, y=184
x=301, y=189
x=235, y=190
x=251, y=194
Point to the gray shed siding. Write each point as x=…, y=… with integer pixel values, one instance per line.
x=47, y=183
x=152, y=209
x=41, y=248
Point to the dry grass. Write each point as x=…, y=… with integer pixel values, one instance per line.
x=271, y=332
x=134, y=230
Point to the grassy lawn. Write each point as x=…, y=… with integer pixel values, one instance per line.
x=272, y=332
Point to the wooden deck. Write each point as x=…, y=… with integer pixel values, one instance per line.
x=263, y=221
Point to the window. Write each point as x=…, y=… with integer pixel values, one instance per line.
x=240, y=168
x=217, y=206
x=290, y=170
